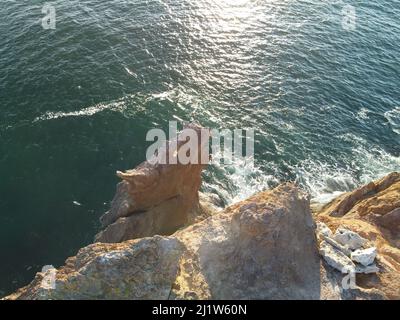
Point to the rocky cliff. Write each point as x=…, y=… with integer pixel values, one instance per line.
x=156, y=197
x=373, y=212
x=160, y=242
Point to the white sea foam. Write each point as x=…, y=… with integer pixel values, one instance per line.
x=240, y=179
x=325, y=181
x=362, y=114
x=322, y=180
x=118, y=105
x=393, y=116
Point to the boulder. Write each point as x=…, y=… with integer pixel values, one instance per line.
x=261, y=248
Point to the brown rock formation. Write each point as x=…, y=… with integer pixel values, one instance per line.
x=373, y=212
x=155, y=198
x=262, y=248
x=379, y=197
x=113, y=271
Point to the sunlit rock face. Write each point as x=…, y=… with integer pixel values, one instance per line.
x=261, y=248
x=136, y=269
x=156, y=198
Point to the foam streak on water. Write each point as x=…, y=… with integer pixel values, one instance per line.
x=118, y=106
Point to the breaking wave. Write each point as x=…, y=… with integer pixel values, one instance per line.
x=238, y=180
x=324, y=181
x=393, y=116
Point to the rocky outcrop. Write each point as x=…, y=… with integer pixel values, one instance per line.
x=266, y=247
x=136, y=269
x=156, y=198
x=379, y=197
x=261, y=248
x=344, y=250
x=372, y=211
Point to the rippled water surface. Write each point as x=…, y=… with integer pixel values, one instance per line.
x=76, y=103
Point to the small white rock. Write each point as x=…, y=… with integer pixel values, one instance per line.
x=323, y=229
x=349, y=238
x=337, y=245
x=369, y=269
x=364, y=256
x=336, y=258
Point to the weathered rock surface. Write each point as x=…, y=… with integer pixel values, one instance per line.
x=379, y=197
x=261, y=248
x=390, y=221
x=336, y=258
x=372, y=212
x=156, y=198
x=337, y=250
x=323, y=230
x=364, y=256
x=349, y=239
x=336, y=245
x=136, y=269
